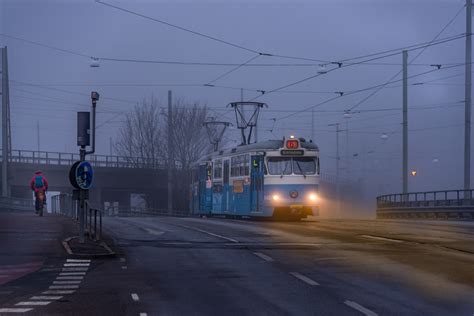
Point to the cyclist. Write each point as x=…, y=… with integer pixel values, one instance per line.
x=39, y=185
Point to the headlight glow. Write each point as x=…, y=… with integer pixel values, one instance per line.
x=313, y=197
x=275, y=197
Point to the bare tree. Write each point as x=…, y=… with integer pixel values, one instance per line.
x=139, y=136
x=142, y=140
x=189, y=138
x=190, y=143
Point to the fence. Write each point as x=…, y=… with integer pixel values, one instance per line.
x=456, y=204
x=64, y=204
x=125, y=211
x=16, y=204
x=67, y=159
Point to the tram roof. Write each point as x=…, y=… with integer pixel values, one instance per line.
x=272, y=144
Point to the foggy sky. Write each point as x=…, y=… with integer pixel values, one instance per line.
x=327, y=30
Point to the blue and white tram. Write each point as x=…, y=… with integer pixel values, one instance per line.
x=274, y=178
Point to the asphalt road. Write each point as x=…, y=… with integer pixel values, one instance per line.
x=192, y=266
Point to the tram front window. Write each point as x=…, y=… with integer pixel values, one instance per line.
x=279, y=166
x=304, y=165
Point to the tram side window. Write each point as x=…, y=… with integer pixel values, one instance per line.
x=218, y=169
x=239, y=165
x=279, y=165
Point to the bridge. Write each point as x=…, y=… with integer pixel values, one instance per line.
x=117, y=178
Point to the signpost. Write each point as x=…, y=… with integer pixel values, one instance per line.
x=81, y=172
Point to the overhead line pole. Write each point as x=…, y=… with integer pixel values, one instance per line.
x=405, y=123
x=4, y=122
x=170, y=152
x=467, y=98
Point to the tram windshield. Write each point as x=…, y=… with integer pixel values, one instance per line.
x=279, y=165
x=304, y=165
x=287, y=165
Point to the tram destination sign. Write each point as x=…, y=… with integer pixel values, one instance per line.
x=292, y=152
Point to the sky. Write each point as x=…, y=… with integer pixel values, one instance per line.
x=48, y=86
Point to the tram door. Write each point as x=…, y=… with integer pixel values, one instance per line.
x=205, y=188
x=226, y=188
x=256, y=183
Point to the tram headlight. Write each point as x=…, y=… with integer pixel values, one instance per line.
x=275, y=197
x=313, y=197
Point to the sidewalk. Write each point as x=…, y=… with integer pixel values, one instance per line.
x=28, y=241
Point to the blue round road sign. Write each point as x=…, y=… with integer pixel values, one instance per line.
x=81, y=175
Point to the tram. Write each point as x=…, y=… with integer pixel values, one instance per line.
x=273, y=178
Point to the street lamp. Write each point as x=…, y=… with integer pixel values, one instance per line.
x=384, y=136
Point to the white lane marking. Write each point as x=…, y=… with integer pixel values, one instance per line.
x=33, y=303
x=263, y=256
x=382, y=238
x=71, y=273
x=15, y=310
x=63, y=287
x=70, y=277
x=360, y=308
x=75, y=269
x=122, y=259
x=76, y=264
x=211, y=234
x=152, y=231
x=135, y=297
x=78, y=260
x=331, y=258
x=58, y=292
x=304, y=278
x=143, y=314
x=124, y=267
x=53, y=298
x=67, y=282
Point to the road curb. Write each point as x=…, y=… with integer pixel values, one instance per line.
x=107, y=253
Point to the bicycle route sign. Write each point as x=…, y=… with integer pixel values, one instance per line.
x=81, y=175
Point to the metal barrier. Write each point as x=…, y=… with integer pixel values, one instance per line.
x=455, y=204
x=67, y=159
x=124, y=211
x=64, y=204
x=93, y=231
x=16, y=204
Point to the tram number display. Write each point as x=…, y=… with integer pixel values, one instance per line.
x=292, y=144
x=290, y=152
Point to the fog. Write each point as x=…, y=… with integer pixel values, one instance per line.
x=48, y=86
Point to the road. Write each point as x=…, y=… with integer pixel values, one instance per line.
x=194, y=266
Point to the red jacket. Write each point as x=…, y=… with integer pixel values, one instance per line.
x=32, y=182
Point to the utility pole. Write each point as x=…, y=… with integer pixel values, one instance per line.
x=338, y=158
x=170, y=152
x=5, y=105
x=467, y=98
x=405, y=122
x=38, y=137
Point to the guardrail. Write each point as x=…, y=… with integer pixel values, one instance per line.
x=67, y=159
x=64, y=204
x=125, y=211
x=16, y=204
x=448, y=204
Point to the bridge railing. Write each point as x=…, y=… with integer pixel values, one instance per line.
x=16, y=204
x=431, y=204
x=126, y=211
x=67, y=159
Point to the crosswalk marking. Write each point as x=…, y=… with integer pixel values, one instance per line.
x=15, y=310
x=54, y=298
x=33, y=303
